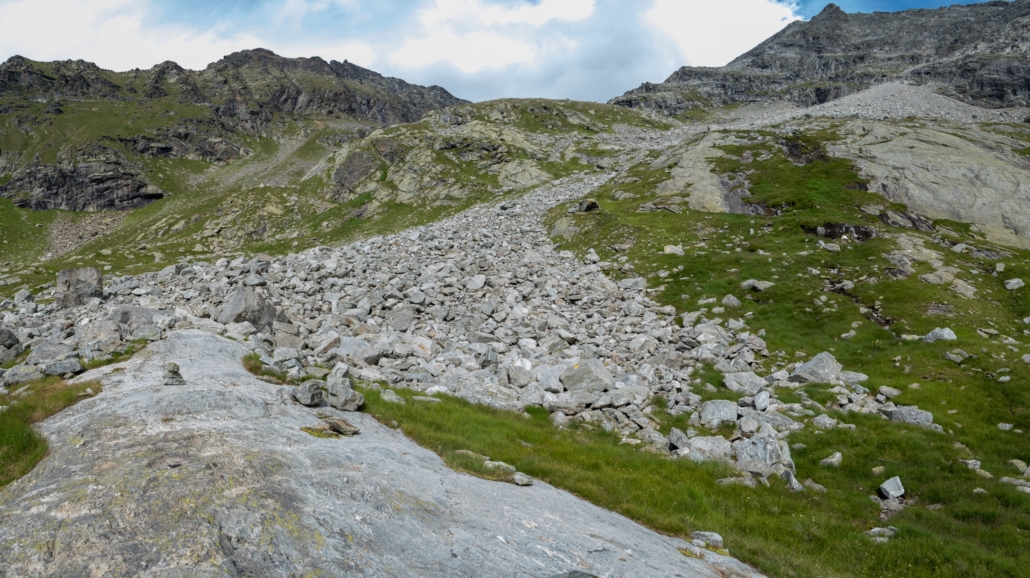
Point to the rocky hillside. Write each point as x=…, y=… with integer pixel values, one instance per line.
x=976, y=53
x=79, y=138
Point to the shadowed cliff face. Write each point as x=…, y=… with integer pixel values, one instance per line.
x=977, y=52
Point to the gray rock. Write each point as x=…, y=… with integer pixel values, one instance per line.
x=148, y=332
x=75, y=287
x=63, y=367
x=1013, y=284
x=249, y=437
x=309, y=393
x=255, y=280
x=892, y=489
x=23, y=296
x=341, y=395
x=889, y=392
x=8, y=340
x=247, y=304
x=822, y=368
x=939, y=334
x=744, y=383
x=824, y=422
x=718, y=411
x=832, y=461
x=521, y=479
x=678, y=439
x=709, y=538
x=22, y=373
x=635, y=283
x=590, y=375
x=912, y=415
x=730, y=301
x=47, y=351
x=400, y=320
x=763, y=454
x=711, y=448
x=761, y=402
x=391, y=396
x=759, y=286
x=1026, y=358
x=476, y=283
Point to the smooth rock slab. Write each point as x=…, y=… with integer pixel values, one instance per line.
x=224, y=483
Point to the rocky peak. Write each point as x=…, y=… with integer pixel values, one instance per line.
x=966, y=48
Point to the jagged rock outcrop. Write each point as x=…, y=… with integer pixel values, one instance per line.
x=977, y=53
x=95, y=177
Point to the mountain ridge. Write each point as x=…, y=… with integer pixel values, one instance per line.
x=835, y=54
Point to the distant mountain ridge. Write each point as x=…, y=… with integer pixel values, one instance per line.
x=977, y=53
x=75, y=136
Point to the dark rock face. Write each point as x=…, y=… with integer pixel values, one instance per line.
x=98, y=178
x=978, y=52
x=352, y=171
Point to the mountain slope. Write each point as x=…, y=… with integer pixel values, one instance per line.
x=977, y=53
x=76, y=137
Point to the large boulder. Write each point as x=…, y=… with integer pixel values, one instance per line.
x=718, y=411
x=764, y=455
x=590, y=375
x=46, y=352
x=104, y=335
x=76, y=287
x=341, y=395
x=247, y=304
x=22, y=373
x=744, y=383
x=713, y=448
x=8, y=340
x=823, y=368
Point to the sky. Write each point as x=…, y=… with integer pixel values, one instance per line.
x=477, y=49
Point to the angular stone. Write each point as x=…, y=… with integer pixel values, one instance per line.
x=754, y=285
x=892, y=489
x=309, y=393
x=75, y=287
x=62, y=367
x=247, y=304
x=744, y=383
x=822, y=368
x=824, y=422
x=763, y=454
x=590, y=375
x=762, y=400
x=678, y=439
x=400, y=320
x=939, y=334
x=8, y=339
x=521, y=479
x=719, y=411
x=476, y=283
x=21, y=374
x=711, y=448
x=340, y=394
x=47, y=351
x=390, y=396
x=171, y=375
x=912, y=415
x=833, y=461
x=1013, y=284
x=638, y=283
x=711, y=539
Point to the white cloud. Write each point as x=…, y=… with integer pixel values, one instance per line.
x=711, y=33
x=115, y=34
x=473, y=35
x=493, y=14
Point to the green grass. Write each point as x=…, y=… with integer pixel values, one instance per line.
x=252, y=363
x=969, y=535
x=779, y=532
x=21, y=446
